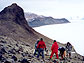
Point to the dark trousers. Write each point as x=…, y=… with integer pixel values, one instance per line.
x=40, y=51
x=36, y=50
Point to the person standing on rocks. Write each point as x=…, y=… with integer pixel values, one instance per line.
x=41, y=45
x=54, y=49
x=69, y=49
x=36, y=49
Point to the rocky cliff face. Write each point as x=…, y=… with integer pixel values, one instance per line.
x=36, y=20
x=15, y=14
x=13, y=24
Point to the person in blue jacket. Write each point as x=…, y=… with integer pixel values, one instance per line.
x=36, y=49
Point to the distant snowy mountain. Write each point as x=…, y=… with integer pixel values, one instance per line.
x=72, y=32
x=36, y=20
x=76, y=18
x=30, y=16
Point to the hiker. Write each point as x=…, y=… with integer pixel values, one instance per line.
x=62, y=52
x=36, y=49
x=69, y=49
x=54, y=49
x=41, y=45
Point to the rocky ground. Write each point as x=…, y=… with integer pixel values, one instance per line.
x=12, y=51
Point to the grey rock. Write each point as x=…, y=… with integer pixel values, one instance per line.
x=24, y=61
x=14, y=58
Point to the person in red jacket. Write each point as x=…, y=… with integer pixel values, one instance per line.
x=41, y=46
x=54, y=49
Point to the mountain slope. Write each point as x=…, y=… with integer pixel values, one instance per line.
x=14, y=25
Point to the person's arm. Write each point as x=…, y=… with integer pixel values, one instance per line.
x=57, y=46
x=44, y=45
x=52, y=47
x=38, y=45
x=71, y=47
x=35, y=45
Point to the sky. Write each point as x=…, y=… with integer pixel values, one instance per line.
x=54, y=8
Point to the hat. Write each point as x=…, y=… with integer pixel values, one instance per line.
x=41, y=39
x=54, y=40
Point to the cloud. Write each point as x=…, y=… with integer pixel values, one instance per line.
x=48, y=7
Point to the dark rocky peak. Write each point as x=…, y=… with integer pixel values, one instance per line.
x=13, y=13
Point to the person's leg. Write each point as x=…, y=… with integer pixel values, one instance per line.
x=57, y=55
x=51, y=54
x=42, y=53
x=35, y=52
x=61, y=55
x=64, y=53
x=69, y=54
x=38, y=53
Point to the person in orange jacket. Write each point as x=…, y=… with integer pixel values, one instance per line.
x=41, y=46
x=54, y=49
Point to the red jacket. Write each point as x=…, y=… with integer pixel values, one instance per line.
x=41, y=44
x=55, y=47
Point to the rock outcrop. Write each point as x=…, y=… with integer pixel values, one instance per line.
x=15, y=52
x=13, y=24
